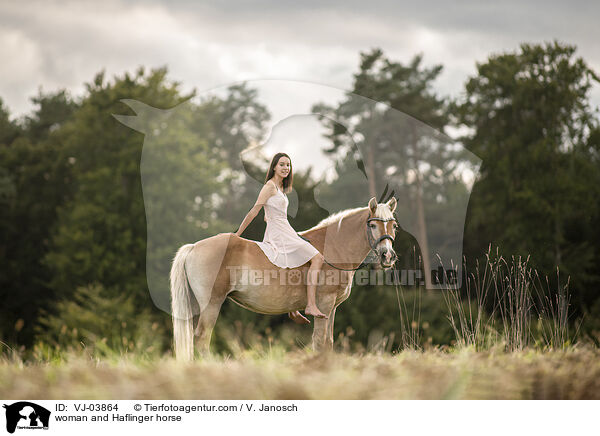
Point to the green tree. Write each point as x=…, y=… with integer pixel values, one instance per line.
x=53, y=110
x=73, y=210
x=530, y=120
x=9, y=130
x=394, y=116
x=237, y=121
x=34, y=182
x=189, y=184
x=101, y=234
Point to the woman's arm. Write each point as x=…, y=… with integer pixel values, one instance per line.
x=267, y=191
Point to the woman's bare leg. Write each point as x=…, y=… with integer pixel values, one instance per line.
x=311, y=288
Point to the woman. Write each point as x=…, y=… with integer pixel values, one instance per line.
x=281, y=244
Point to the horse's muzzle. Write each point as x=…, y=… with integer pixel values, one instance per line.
x=387, y=258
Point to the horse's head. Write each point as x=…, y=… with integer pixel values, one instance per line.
x=381, y=231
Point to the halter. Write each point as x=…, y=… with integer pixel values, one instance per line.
x=370, y=239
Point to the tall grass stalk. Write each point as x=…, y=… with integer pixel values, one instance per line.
x=513, y=294
x=517, y=296
x=410, y=323
x=553, y=312
x=472, y=326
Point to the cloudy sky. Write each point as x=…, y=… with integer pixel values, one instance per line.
x=63, y=44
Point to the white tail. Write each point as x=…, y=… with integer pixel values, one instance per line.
x=181, y=306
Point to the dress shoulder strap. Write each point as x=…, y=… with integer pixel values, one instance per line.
x=274, y=184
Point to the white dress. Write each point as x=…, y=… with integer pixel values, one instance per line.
x=281, y=244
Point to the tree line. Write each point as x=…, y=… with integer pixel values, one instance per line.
x=74, y=224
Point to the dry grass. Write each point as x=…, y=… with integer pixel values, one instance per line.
x=434, y=374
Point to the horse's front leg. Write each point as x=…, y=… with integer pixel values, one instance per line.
x=320, y=330
x=329, y=334
x=319, y=334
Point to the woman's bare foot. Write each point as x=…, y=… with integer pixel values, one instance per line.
x=298, y=318
x=314, y=311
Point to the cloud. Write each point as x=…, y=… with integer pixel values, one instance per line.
x=64, y=44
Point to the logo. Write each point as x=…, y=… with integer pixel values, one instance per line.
x=370, y=150
x=26, y=415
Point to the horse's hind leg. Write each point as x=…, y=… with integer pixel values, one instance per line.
x=208, y=281
x=206, y=323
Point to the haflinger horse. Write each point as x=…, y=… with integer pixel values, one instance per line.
x=224, y=266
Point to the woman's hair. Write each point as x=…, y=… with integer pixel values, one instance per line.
x=287, y=182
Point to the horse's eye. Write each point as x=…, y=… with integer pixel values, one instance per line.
x=372, y=226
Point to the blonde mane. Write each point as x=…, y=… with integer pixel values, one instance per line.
x=383, y=211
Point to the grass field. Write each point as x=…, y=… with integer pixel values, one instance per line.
x=524, y=349
x=277, y=374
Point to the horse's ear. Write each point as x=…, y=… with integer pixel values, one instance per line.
x=392, y=204
x=373, y=205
